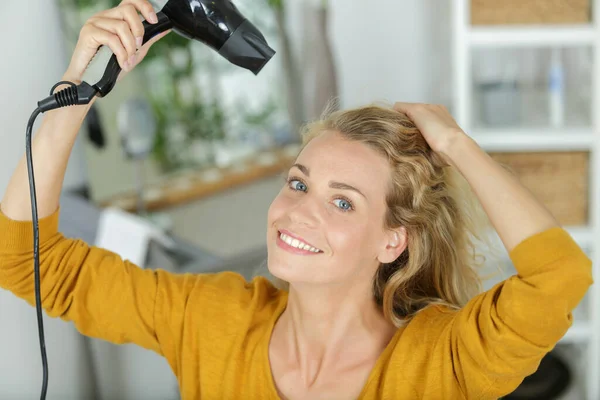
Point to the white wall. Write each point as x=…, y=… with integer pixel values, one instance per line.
x=388, y=50
x=32, y=61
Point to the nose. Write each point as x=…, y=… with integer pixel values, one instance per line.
x=305, y=212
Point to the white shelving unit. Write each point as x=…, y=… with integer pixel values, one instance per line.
x=466, y=38
x=534, y=139
x=548, y=35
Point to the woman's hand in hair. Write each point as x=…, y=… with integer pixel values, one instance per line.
x=436, y=124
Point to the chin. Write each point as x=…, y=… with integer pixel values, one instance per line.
x=294, y=274
x=282, y=270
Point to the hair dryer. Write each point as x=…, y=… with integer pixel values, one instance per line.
x=216, y=23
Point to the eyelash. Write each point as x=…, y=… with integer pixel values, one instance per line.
x=294, y=178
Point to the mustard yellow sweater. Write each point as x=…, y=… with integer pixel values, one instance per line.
x=214, y=329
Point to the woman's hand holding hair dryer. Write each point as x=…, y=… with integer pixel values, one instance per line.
x=119, y=28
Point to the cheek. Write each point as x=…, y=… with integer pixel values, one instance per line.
x=353, y=239
x=277, y=208
x=347, y=235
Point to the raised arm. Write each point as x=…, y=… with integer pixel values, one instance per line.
x=116, y=28
x=104, y=295
x=500, y=336
x=512, y=209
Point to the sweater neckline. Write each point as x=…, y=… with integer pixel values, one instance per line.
x=272, y=388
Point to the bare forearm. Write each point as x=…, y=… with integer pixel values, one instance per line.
x=513, y=210
x=51, y=148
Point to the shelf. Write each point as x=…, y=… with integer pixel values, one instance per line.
x=580, y=332
x=528, y=36
x=583, y=235
x=188, y=186
x=535, y=139
x=580, y=346
x=575, y=356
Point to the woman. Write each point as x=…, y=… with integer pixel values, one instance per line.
x=371, y=234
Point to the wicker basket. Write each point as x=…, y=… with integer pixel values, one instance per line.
x=558, y=179
x=493, y=12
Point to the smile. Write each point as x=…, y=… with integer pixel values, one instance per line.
x=297, y=244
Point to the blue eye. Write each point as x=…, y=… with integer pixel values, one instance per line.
x=343, y=205
x=295, y=184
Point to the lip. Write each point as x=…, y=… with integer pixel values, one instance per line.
x=291, y=249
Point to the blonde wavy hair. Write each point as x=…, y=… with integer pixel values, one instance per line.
x=444, y=220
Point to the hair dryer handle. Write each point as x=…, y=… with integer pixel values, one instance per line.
x=113, y=69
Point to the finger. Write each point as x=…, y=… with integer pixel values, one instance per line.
x=130, y=14
x=405, y=108
x=142, y=6
x=119, y=28
x=101, y=37
x=410, y=109
x=144, y=50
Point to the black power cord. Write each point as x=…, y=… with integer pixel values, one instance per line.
x=36, y=256
x=73, y=95
x=82, y=94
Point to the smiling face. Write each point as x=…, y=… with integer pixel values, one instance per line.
x=326, y=226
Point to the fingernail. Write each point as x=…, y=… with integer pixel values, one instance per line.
x=126, y=66
x=131, y=60
x=138, y=41
x=153, y=18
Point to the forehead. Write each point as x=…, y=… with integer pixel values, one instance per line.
x=331, y=156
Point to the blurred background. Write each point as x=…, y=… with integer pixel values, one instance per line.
x=195, y=148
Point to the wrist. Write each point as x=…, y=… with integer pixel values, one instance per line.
x=72, y=76
x=67, y=78
x=76, y=79
x=458, y=144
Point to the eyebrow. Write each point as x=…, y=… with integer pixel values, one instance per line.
x=332, y=184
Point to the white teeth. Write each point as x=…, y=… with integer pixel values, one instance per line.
x=297, y=244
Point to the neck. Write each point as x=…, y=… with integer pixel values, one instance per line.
x=323, y=325
x=321, y=315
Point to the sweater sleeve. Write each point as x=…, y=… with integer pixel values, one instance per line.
x=105, y=296
x=500, y=336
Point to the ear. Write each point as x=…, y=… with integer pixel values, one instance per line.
x=396, y=243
